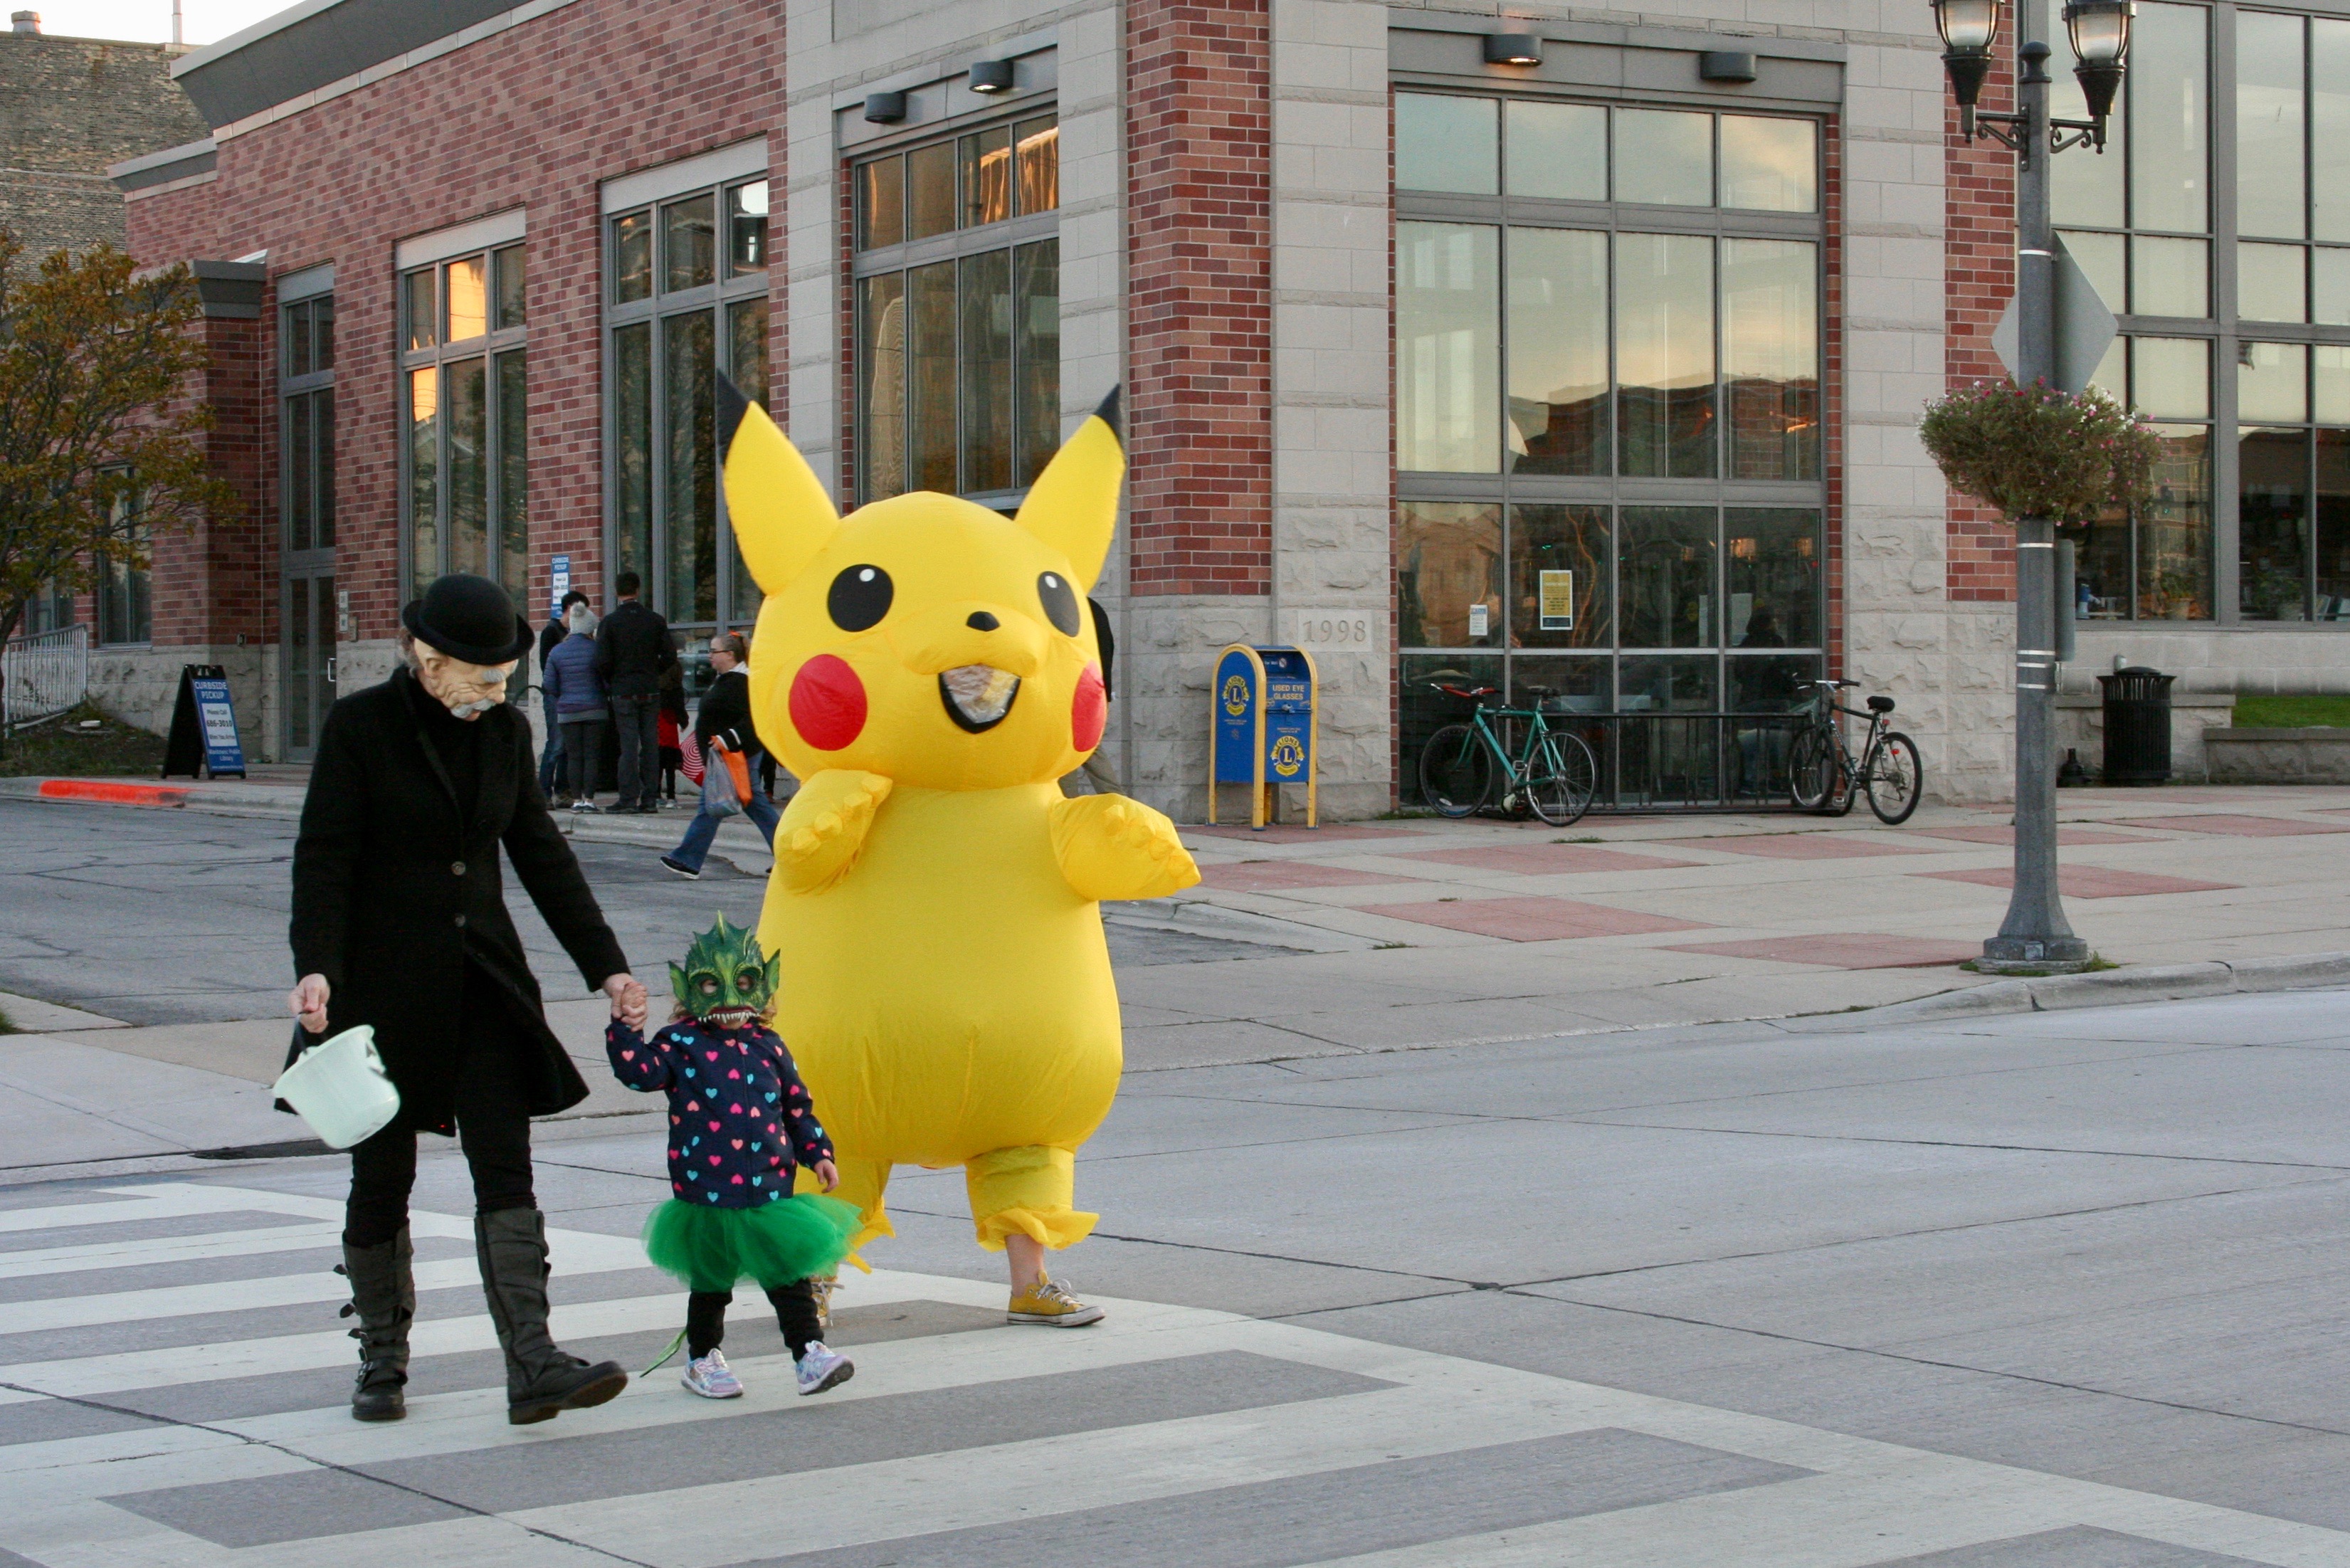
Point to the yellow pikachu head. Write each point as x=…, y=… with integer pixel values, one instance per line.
x=925, y=637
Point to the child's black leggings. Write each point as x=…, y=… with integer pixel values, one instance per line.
x=795, y=1305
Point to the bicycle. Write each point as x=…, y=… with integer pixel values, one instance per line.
x=1825, y=777
x=1553, y=775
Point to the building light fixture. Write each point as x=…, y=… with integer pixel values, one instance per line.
x=991, y=76
x=1512, y=49
x=885, y=108
x=2100, y=32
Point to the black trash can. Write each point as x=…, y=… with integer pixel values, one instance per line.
x=2137, y=726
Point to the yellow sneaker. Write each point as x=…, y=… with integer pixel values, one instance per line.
x=1048, y=1302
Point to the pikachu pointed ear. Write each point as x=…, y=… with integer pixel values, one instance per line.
x=781, y=516
x=1073, y=506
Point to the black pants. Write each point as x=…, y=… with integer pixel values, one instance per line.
x=583, y=742
x=637, y=721
x=492, y=1127
x=795, y=1305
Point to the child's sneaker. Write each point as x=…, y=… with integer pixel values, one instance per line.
x=822, y=1368
x=1047, y=1301
x=711, y=1378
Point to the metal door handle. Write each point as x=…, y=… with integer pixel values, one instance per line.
x=330, y=672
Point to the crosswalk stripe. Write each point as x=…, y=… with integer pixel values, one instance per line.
x=1863, y=1504
x=32, y=1262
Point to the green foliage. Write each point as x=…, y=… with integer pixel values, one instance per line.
x=64, y=747
x=2035, y=452
x=2330, y=711
x=98, y=448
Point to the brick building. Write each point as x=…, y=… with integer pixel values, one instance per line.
x=1592, y=372
x=69, y=109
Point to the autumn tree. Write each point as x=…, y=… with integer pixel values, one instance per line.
x=98, y=449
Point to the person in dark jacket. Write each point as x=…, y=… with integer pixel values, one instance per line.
x=632, y=648
x=574, y=689
x=724, y=725
x=399, y=922
x=550, y=758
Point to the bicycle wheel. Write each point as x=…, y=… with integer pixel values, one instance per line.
x=1456, y=771
x=1895, y=779
x=1562, y=780
x=1812, y=770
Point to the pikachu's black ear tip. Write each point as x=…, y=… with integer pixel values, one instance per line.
x=1112, y=412
x=731, y=406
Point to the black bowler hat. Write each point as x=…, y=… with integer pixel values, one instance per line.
x=468, y=617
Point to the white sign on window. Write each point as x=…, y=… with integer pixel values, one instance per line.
x=1481, y=622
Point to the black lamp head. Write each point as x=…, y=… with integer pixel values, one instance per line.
x=991, y=76
x=885, y=108
x=1512, y=49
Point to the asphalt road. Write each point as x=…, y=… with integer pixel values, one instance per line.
x=2051, y=1291
x=179, y=918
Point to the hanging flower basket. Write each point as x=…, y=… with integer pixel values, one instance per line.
x=2035, y=452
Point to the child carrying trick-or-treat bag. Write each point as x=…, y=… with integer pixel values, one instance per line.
x=740, y=1121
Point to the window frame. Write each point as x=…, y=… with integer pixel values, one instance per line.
x=1011, y=235
x=2226, y=328
x=1614, y=492
x=298, y=386
x=137, y=581
x=659, y=308
x=490, y=347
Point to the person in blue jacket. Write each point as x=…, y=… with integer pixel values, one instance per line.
x=573, y=688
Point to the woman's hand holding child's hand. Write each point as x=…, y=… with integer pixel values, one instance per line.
x=827, y=1175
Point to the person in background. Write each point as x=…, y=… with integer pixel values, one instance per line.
x=674, y=721
x=574, y=687
x=632, y=647
x=724, y=725
x=550, y=760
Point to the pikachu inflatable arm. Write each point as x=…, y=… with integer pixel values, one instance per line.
x=927, y=666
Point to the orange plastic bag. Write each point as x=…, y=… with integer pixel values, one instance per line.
x=740, y=766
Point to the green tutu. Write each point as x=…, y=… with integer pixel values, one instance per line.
x=773, y=1244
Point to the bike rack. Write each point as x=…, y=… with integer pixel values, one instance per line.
x=1683, y=761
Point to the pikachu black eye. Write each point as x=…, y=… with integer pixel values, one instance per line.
x=860, y=597
x=1060, y=602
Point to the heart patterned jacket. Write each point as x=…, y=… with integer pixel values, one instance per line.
x=740, y=1119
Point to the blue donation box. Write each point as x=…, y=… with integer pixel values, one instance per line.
x=1264, y=726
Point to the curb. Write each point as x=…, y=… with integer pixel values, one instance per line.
x=2117, y=988
x=111, y=793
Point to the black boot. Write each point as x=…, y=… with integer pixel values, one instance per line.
x=541, y=1379
x=383, y=1298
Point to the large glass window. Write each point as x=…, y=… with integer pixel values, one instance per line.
x=2231, y=276
x=464, y=506
x=1607, y=415
x=688, y=304
x=958, y=318
x=126, y=612
x=306, y=440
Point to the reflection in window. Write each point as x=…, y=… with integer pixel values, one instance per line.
x=1664, y=157
x=1449, y=576
x=2272, y=520
x=464, y=503
x=1664, y=355
x=881, y=393
x=514, y=305
x=1667, y=578
x=468, y=294
x=424, y=477
x=1769, y=165
x=746, y=228
x=467, y=387
x=632, y=450
x=123, y=589
x=1037, y=143
x=1558, y=352
x=1559, y=563
x=632, y=257
x=688, y=411
x=1771, y=349
x=1446, y=355
x=1446, y=143
x=2269, y=125
x=1555, y=150
x=1776, y=596
x=689, y=243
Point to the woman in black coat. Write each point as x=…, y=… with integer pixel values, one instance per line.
x=399, y=922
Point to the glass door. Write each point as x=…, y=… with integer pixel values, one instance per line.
x=309, y=675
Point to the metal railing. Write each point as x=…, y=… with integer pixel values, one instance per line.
x=1688, y=761
x=43, y=675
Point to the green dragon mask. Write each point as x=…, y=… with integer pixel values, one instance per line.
x=725, y=982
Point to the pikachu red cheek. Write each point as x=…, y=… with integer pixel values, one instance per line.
x=1088, y=711
x=827, y=704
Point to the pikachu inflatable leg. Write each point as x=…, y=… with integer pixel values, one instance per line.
x=862, y=1182
x=1020, y=1206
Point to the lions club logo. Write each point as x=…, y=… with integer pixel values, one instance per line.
x=1288, y=756
x=1236, y=694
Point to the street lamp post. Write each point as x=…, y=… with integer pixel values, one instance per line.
x=2036, y=935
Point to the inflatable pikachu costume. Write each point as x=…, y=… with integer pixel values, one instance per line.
x=928, y=668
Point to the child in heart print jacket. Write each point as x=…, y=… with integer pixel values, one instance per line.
x=740, y=1123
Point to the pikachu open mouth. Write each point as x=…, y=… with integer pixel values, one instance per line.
x=978, y=696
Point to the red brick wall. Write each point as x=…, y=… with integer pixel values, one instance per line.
x=1199, y=395
x=534, y=117
x=1979, y=271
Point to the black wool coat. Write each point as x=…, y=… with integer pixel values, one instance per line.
x=397, y=887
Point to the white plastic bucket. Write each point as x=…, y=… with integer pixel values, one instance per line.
x=340, y=1088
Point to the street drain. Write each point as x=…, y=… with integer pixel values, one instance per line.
x=290, y=1149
